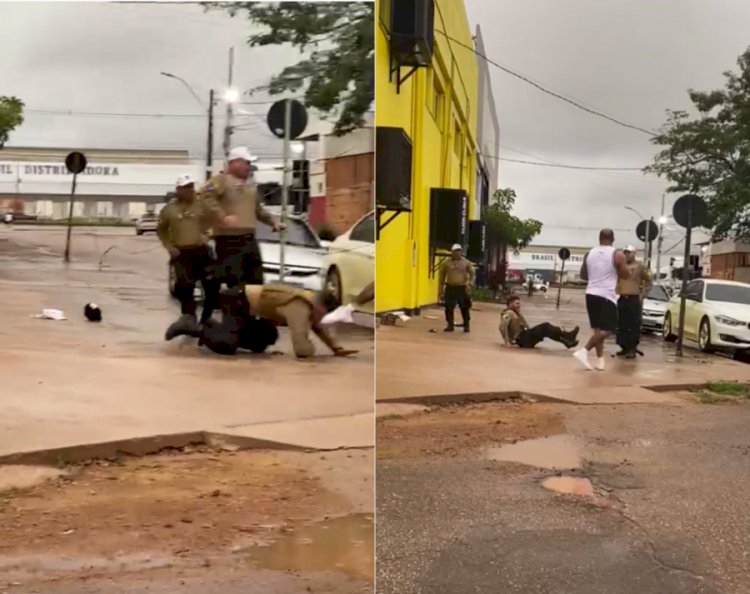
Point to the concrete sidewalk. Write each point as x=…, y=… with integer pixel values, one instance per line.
x=70, y=383
x=418, y=360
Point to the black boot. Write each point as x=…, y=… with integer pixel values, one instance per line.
x=186, y=325
x=467, y=327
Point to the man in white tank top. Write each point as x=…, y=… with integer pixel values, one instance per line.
x=602, y=267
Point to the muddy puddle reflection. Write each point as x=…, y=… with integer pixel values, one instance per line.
x=556, y=452
x=342, y=544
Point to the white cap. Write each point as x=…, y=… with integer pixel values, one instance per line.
x=629, y=248
x=241, y=152
x=184, y=180
x=456, y=247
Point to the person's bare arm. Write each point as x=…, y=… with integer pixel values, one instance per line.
x=366, y=295
x=328, y=340
x=584, y=274
x=441, y=279
x=622, y=265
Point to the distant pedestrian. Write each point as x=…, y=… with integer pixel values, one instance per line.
x=456, y=282
x=233, y=199
x=602, y=267
x=183, y=231
x=631, y=291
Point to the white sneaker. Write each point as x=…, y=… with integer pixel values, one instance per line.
x=600, y=364
x=583, y=357
x=340, y=315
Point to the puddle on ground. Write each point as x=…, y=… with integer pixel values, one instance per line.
x=570, y=485
x=25, y=477
x=556, y=452
x=342, y=544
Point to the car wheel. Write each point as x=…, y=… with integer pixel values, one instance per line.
x=333, y=285
x=704, y=336
x=667, y=330
x=138, y=232
x=172, y=281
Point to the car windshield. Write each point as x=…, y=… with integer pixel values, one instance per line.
x=658, y=293
x=297, y=233
x=728, y=293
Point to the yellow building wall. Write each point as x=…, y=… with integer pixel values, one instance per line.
x=443, y=135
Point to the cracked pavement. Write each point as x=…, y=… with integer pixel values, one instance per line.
x=670, y=515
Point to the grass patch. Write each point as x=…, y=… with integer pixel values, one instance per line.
x=729, y=388
x=720, y=391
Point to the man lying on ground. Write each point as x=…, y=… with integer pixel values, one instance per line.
x=250, y=316
x=515, y=329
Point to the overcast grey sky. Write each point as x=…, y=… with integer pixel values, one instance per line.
x=631, y=59
x=104, y=57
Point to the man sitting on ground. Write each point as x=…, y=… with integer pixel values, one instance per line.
x=515, y=329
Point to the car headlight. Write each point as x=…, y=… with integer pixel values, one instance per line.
x=727, y=321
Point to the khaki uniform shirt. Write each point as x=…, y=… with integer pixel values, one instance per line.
x=638, y=283
x=512, y=324
x=183, y=224
x=227, y=195
x=457, y=273
x=265, y=300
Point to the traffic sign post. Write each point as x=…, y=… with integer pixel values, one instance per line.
x=287, y=119
x=647, y=231
x=75, y=162
x=564, y=254
x=689, y=211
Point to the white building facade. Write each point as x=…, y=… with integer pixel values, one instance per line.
x=116, y=184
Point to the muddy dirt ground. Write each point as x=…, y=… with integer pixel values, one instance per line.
x=651, y=501
x=192, y=521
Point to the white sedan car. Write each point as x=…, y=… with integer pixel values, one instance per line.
x=349, y=266
x=655, y=309
x=303, y=255
x=717, y=315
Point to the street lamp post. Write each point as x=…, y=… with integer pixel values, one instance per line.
x=662, y=221
x=211, y=103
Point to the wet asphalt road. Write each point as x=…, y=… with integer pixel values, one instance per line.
x=678, y=521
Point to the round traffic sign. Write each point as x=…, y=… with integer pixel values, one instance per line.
x=75, y=162
x=277, y=115
x=690, y=211
x=647, y=230
x=564, y=253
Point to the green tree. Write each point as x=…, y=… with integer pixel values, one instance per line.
x=11, y=116
x=708, y=153
x=505, y=230
x=338, y=41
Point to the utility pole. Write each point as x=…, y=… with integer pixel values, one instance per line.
x=230, y=109
x=210, y=139
x=660, y=243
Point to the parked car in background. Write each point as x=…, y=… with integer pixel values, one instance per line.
x=146, y=223
x=349, y=266
x=303, y=255
x=717, y=315
x=655, y=308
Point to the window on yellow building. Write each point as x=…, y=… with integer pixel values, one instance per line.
x=458, y=138
x=438, y=102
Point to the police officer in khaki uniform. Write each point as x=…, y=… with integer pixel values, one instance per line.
x=232, y=197
x=183, y=230
x=247, y=312
x=456, y=282
x=300, y=310
x=631, y=291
